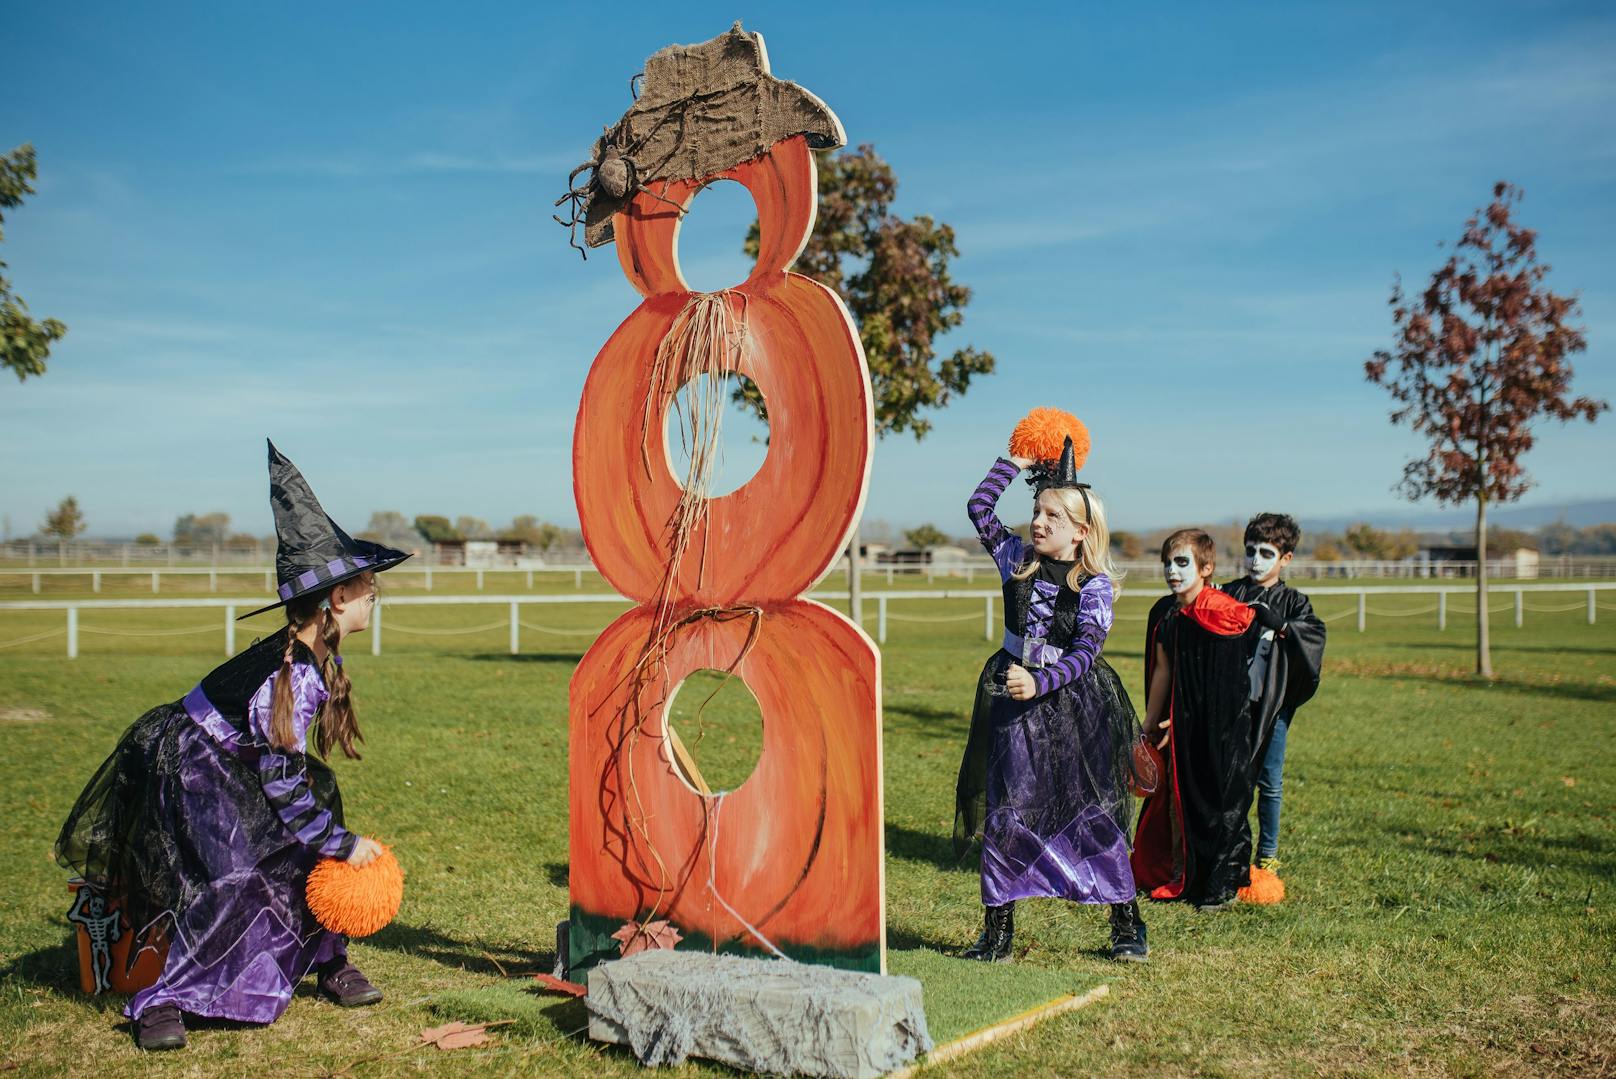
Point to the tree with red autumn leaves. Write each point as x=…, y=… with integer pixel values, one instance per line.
x=1479, y=357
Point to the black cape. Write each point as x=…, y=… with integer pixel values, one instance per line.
x=1193, y=840
x=1297, y=660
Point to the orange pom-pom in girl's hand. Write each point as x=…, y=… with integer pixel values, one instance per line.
x=355, y=901
x=1044, y=431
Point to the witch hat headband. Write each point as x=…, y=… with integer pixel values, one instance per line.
x=1049, y=475
x=312, y=552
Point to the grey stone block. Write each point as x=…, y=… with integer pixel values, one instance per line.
x=760, y=1015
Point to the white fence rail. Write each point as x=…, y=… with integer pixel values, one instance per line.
x=95, y=574
x=991, y=627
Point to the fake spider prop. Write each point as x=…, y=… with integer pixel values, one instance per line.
x=611, y=172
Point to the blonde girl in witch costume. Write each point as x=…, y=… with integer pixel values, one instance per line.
x=212, y=810
x=1044, y=784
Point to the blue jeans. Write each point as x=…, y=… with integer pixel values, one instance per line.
x=1270, y=789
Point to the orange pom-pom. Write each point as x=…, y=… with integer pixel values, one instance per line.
x=355, y=900
x=1265, y=887
x=1043, y=433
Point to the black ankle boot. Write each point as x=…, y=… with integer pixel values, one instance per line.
x=998, y=931
x=1128, y=933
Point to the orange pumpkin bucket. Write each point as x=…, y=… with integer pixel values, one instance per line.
x=104, y=939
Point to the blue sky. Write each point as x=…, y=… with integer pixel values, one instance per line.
x=331, y=224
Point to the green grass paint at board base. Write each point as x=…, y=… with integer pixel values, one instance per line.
x=1447, y=851
x=590, y=937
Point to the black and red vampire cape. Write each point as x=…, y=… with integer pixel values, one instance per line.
x=1193, y=841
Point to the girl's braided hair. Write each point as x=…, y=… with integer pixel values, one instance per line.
x=335, y=723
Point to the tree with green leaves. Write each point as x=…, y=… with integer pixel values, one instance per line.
x=927, y=535
x=537, y=534
x=25, y=344
x=1480, y=357
x=201, y=529
x=893, y=275
x=437, y=529
x=65, y=521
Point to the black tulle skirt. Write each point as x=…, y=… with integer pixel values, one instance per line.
x=179, y=828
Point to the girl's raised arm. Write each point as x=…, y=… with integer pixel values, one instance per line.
x=1005, y=546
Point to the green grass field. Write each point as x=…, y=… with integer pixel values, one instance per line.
x=1449, y=847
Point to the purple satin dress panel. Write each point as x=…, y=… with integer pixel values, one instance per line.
x=243, y=937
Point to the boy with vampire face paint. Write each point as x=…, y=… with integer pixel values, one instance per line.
x=1194, y=841
x=1285, y=666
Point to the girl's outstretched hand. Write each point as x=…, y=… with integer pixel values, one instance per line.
x=1020, y=683
x=364, y=852
x=1022, y=463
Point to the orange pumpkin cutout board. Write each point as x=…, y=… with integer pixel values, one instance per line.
x=791, y=862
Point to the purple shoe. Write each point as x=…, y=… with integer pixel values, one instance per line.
x=343, y=984
x=160, y=1027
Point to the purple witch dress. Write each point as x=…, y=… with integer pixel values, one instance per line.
x=209, y=835
x=1044, y=782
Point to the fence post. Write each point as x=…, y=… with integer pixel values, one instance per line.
x=1591, y=606
x=95, y=580
x=36, y=584
x=881, y=619
x=987, y=621
x=269, y=585
x=1519, y=605
x=530, y=580
x=154, y=576
x=230, y=630
x=1363, y=605
x=479, y=580
x=516, y=630
x=889, y=576
x=1442, y=610
x=577, y=578
x=376, y=629
x=213, y=579
x=429, y=578
x=72, y=633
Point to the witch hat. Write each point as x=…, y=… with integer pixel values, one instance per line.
x=1044, y=475
x=312, y=552
x=1049, y=475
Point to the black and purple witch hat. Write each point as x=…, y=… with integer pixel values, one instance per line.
x=312, y=552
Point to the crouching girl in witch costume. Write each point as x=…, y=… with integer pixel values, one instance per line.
x=211, y=811
x=1045, y=779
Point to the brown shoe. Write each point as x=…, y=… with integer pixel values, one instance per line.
x=344, y=984
x=160, y=1028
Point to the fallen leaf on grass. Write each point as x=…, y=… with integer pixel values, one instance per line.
x=1570, y=781
x=560, y=985
x=459, y=1035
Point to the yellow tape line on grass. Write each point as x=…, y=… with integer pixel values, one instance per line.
x=1014, y=1025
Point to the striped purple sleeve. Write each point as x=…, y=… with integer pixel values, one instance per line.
x=283, y=774
x=1004, y=545
x=1094, y=618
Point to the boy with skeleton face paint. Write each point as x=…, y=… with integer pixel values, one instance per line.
x=1285, y=668
x=1193, y=841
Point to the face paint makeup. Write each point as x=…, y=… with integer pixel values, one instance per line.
x=1054, y=534
x=1180, y=570
x=1261, y=557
